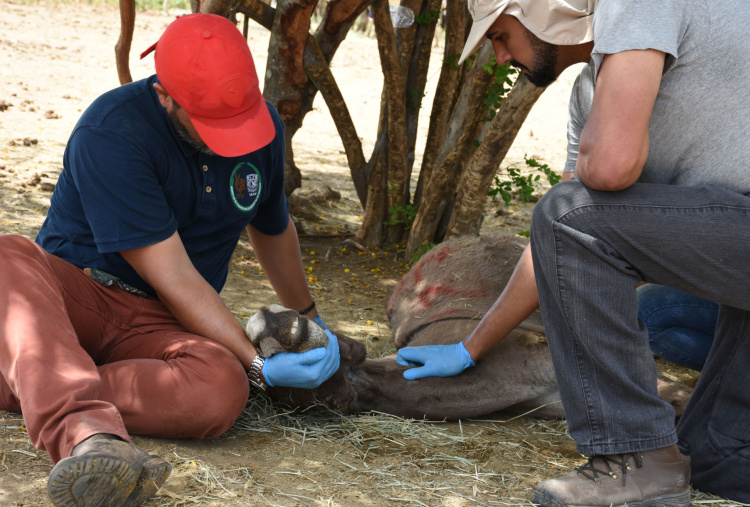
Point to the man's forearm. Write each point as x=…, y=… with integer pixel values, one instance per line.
x=200, y=310
x=166, y=267
x=517, y=301
x=281, y=260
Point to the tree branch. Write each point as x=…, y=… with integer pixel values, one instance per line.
x=259, y=12
x=319, y=72
x=472, y=192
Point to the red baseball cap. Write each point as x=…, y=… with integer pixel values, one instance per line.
x=204, y=63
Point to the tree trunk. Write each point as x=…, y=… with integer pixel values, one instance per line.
x=450, y=83
x=458, y=146
x=320, y=74
x=466, y=218
x=419, y=64
x=372, y=224
x=394, y=71
x=456, y=126
x=283, y=87
x=122, y=48
x=285, y=75
x=218, y=7
x=404, y=58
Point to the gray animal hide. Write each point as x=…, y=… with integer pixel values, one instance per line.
x=439, y=301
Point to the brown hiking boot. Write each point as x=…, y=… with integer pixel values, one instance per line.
x=106, y=471
x=656, y=478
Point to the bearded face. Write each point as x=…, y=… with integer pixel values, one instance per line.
x=543, y=71
x=184, y=134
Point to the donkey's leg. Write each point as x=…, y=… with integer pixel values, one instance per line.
x=516, y=376
x=517, y=371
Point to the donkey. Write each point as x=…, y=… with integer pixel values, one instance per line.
x=439, y=301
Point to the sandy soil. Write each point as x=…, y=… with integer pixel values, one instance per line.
x=55, y=59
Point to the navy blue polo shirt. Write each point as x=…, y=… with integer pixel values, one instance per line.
x=128, y=181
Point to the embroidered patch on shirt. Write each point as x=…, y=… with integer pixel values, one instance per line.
x=245, y=184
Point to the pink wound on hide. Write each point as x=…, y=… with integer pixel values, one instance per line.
x=433, y=294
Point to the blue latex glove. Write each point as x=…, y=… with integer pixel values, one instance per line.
x=320, y=322
x=303, y=369
x=434, y=360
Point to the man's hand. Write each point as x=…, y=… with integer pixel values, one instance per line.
x=306, y=370
x=434, y=360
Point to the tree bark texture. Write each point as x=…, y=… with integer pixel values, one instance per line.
x=320, y=74
x=218, y=7
x=122, y=48
x=395, y=171
x=450, y=83
x=404, y=56
x=285, y=75
x=416, y=49
x=466, y=218
x=372, y=230
x=295, y=57
x=458, y=146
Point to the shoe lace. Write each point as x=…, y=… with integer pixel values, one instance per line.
x=591, y=472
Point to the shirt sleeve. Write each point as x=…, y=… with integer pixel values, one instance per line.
x=121, y=195
x=639, y=24
x=273, y=213
x=579, y=108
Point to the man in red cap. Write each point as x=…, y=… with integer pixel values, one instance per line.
x=112, y=320
x=658, y=191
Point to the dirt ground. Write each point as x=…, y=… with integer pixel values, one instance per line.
x=55, y=59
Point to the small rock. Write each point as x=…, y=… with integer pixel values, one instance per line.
x=46, y=186
x=51, y=115
x=4, y=105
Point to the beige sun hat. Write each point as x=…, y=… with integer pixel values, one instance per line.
x=559, y=22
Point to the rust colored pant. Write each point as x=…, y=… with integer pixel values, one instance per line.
x=77, y=359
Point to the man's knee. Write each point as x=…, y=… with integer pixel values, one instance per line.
x=12, y=245
x=213, y=392
x=558, y=201
x=220, y=399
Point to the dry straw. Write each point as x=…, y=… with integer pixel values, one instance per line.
x=387, y=460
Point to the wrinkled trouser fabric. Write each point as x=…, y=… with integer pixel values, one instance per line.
x=590, y=249
x=77, y=359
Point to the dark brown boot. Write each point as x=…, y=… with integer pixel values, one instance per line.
x=656, y=478
x=106, y=471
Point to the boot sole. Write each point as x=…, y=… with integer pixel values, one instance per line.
x=154, y=474
x=544, y=499
x=101, y=481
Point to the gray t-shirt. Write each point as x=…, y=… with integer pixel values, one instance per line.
x=700, y=126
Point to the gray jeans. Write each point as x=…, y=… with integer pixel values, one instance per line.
x=590, y=249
